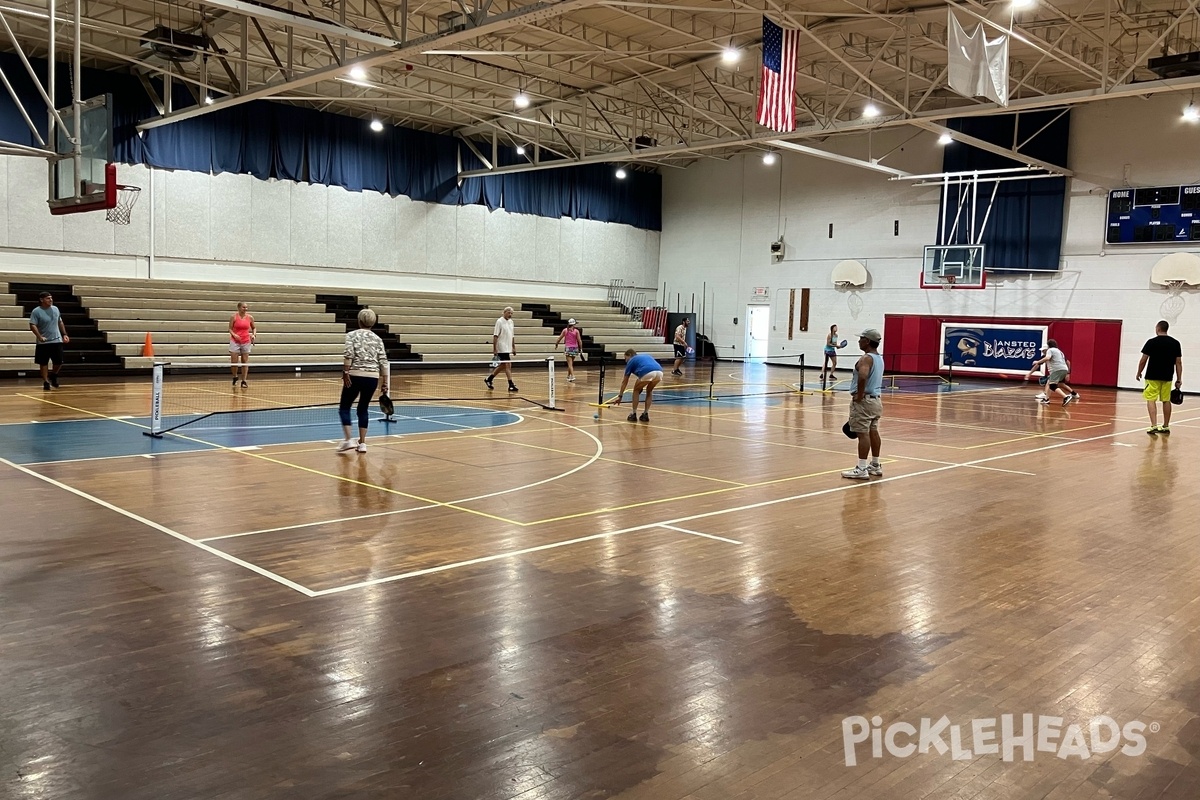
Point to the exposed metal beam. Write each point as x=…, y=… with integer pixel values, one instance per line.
x=303, y=22
x=859, y=126
x=1019, y=157
x=520, y=16
x=837, y=157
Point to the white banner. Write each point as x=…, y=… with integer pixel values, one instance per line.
x=976, y=66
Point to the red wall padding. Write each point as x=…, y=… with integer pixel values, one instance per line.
x=912, y=343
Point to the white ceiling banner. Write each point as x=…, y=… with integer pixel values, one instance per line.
x=977, y=66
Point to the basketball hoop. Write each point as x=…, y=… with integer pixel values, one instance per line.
x=127, y=197
x=842, y=285
x=1175, y=287
x=948, y=282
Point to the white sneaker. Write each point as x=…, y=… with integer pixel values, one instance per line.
x=570, y=379
x=857, y=474
x=362, y=447
x=875, y=470
x=345, y=445
x=1042, y=396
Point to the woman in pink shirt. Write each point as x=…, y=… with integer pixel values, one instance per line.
x=572, y=341
x=241, y=342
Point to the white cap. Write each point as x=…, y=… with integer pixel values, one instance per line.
x=571, y=321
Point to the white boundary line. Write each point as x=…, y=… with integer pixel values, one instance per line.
x=698, y=533
x=591, y=460
x=162, y=528
x=671, y=522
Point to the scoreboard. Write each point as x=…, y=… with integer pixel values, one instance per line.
x=1163, y=214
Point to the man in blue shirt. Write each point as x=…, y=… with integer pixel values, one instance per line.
x=866, y=407
x=648, y=372
x=46, y=323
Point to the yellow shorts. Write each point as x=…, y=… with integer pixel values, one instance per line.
x=1157, y=391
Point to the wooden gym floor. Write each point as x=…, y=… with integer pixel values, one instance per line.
x=554, y=606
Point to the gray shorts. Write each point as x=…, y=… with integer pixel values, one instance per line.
x=1058, y=376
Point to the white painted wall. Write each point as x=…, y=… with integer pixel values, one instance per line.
x=235, y=227
x=719, y=218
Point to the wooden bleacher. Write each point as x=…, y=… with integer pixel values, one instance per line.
x=188, y=322
x=16, y=342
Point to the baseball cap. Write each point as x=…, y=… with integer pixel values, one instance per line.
x=571, y=321
x=872, y=334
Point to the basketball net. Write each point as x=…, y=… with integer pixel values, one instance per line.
x=127, y=197
x=948, y=282
x=1175, y=287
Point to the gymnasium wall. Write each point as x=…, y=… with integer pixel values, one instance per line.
x=719, y=218
x=236, y=227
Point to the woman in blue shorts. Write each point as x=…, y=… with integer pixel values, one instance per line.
x=831, y=348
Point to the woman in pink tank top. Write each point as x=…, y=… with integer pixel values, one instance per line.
x=572, y=341
x=241, y=342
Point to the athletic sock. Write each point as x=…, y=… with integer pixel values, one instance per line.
x=862, y=463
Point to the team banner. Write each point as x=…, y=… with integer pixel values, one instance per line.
x=992, y=349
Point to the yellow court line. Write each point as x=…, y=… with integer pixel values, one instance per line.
x=683, y=497
x=630, y=464
x=330, y=475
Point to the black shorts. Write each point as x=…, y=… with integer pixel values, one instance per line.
x=45, y=352
x=503, y=356
x=681, y=351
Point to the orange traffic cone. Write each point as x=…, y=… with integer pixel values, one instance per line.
x=148, y=347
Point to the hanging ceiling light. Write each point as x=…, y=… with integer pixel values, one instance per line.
x=730, y=55
x=870, y=111
x=208, y=99
x=945, y=139
x=376, y=125
x=1191, y=113
x=358, y=73
x=521, y=100
x=1022, y=3
x=768, y=158
x=520, y=149
x=621, y=173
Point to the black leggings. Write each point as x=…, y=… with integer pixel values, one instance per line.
x=363, y=388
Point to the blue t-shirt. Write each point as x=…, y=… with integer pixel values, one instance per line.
x=874, y=379
x=642, y=364
x=46, y=321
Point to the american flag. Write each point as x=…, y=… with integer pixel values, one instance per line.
x=776, y=92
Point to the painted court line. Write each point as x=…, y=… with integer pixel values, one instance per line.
x=162, y=528
x=591, y=460
x=698, y=533
x=672, y=522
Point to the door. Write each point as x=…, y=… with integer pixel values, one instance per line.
x=758, y=330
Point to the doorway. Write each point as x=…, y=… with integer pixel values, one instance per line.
x=758, y=329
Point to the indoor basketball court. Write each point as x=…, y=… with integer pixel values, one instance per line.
x=521, y=579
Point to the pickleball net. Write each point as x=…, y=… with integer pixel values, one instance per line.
x=194, y=397
x=711, y=379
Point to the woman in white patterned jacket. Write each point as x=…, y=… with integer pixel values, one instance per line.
x=364, y=369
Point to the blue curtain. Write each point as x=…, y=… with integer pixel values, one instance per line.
x=1025, y=226
x=275, y=140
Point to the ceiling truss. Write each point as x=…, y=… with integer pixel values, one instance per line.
x=615, y=80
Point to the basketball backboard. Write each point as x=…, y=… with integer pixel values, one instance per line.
x=956, y=265
x=83, y=178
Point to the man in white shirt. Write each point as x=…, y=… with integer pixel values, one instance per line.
x=1058, y=370
x=681, y=346
x=504, y=347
